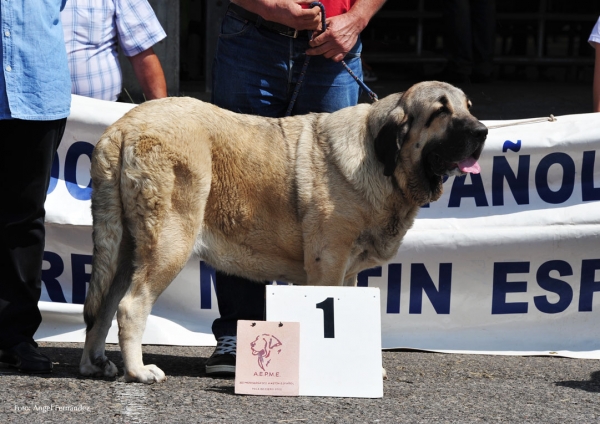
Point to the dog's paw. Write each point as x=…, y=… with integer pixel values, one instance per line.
x=148, y=374
x=384, y=373
x=101, y=367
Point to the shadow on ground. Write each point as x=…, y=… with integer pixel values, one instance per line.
x=66, y=363
x=591, y=385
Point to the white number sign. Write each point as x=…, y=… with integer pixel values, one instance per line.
x=340, y=337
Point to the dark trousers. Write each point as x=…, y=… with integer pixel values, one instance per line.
x=238, y=298
x=27, y=149
x=470, y=35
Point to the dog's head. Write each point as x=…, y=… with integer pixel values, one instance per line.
x=262, y=347
x=425, y=134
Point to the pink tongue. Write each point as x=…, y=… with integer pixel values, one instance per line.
x=469, y=165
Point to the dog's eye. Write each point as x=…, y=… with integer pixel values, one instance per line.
x=439, y=112
x=443, y=110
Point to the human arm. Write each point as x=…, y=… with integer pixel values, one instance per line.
x=149, y=73
x=343, y=30
x=596, y=86
x=286, y=12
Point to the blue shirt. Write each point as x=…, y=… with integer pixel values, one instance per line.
x=34, y=78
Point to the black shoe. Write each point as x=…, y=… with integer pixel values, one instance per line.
x=222, y=361
x=26, y=358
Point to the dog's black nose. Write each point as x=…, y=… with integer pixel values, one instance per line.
x=480, y=131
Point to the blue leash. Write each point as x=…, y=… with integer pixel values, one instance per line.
x=360, y=82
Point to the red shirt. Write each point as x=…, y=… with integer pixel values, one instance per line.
x=336, y=7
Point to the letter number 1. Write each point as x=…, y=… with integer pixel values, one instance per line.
x=328, y=323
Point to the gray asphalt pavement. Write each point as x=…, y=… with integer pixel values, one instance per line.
x=421, y=388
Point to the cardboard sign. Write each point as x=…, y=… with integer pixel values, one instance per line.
x=267, y=360
x=340, y=337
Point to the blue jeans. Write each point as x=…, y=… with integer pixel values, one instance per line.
x=255, y=71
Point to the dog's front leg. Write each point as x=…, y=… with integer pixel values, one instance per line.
x=351, y=281
x=328, y=268
x=326, y=265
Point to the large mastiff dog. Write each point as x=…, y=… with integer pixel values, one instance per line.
x=311, y=199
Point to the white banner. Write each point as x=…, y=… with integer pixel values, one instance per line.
x=506, y=262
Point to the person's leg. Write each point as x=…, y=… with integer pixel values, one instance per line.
x=458, y=39
x=483, y=17
x=27, y=152
x=237, y=297
x=249, y=76
x=255, y=72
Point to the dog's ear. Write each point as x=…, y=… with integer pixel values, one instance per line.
x=388, y=143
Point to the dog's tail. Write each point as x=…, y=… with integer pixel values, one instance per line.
x=108, y=228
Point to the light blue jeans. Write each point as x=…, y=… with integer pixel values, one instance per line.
x=255, y=71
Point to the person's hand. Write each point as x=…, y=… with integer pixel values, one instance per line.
x=339, y=38
x=288, y=12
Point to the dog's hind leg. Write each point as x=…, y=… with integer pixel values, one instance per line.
x=111, y=264
x=156, y=268
x=94, y=361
